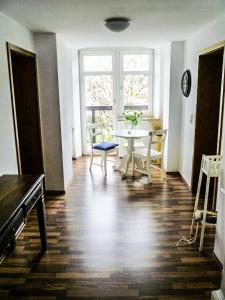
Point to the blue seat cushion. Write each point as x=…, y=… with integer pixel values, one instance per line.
x=105, y=146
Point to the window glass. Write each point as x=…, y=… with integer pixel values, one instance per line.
x=98, y=90
x=110, y=86
x=98, y=104
x=136, y=62
x=98, y=63
x=136, y=92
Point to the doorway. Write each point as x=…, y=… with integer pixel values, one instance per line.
x=209, y=112
x=25, y=104
x=111, y=81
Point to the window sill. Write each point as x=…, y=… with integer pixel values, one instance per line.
x=141, y=119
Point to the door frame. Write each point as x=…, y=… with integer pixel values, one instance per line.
x=13, y=48
x=96, y=52
x=205, y=51
x=117, y=89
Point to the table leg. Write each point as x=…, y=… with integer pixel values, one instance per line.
x=130, y=149
x=120, y=165
x=40, y=207
x=124, y=163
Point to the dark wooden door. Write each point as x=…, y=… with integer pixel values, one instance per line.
x=207, y=110
x=26, y=111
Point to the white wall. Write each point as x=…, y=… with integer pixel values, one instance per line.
x=156, y=84
x=45, y=46
x=77, y=147
x=172, y=59
x=208, y=36
x=165, y=60
x=58, y=171
x=64, y=60
x=13, y=32
x=173, y=139
x=54, y=59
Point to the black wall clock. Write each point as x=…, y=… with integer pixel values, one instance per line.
x=186, y=83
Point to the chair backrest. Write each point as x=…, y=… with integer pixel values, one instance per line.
x=157, y=137
x=95, y=130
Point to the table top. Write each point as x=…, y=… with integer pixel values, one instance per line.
x=14, y=190
x=135, y=133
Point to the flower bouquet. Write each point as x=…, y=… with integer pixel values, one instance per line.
x=133, y=117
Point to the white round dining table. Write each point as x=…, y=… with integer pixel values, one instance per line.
x=130, y=136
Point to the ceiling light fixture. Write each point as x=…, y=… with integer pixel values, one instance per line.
x=117, y=24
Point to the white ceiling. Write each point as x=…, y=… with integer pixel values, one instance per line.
x=80, y=22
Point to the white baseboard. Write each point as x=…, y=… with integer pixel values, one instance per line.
x=217, y=295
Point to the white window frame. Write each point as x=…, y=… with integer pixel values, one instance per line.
x=117, y=79
x=91, y=52
x=150, y=73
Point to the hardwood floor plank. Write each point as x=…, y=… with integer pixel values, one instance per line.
x=112, y=239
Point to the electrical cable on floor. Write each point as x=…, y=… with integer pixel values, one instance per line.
x=211, y=217
x=186, y=241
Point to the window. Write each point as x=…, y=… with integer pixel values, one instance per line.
x=113, y=81
x=136, y=81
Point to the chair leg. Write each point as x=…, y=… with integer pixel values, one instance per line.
x=105, y=164
x=163, y=170
x=132, y=165
x=149, y=172
x=117, y=152
x=102, y=160
x=126, y=168
x=91, y=161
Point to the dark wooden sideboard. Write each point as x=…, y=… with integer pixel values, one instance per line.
x=18, y=195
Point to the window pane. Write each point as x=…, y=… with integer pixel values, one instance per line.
x=98, y=103
x=99, y=63
x=105, y=117
x=136, y=62
x=136, y=92
x=88, y=121
x=98, y=90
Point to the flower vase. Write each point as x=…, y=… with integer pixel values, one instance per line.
x=133, y=125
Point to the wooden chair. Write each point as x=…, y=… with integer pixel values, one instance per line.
x=103, y=148
x=142, y=158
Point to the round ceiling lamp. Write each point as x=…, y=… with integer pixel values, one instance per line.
x=117, y=24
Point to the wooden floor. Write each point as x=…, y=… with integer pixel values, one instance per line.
x=112, y=239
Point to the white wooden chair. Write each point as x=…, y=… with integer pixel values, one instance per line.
x=149, y=154
x=103, y=148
